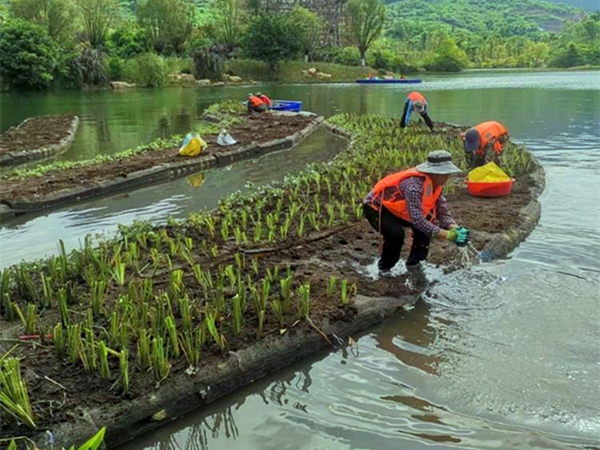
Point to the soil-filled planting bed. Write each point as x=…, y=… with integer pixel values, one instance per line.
x=37, y=138
x=163, y=320
x=258, y=129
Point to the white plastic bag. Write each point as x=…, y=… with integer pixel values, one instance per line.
x=224, y=139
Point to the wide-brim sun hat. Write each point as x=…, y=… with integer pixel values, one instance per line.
x=472, y=140
x=439, y=162
x=419, y=106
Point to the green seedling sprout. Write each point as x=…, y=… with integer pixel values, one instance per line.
x=304, y=293
x=172, y=333
x=331, y=286
x=160, y=363
x=14, y=396
x=59, y=340
x=124, y=369
x=104, y=367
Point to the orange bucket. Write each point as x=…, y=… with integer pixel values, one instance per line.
x=482, y=189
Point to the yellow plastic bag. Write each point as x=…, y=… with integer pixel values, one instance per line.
x=196, y=180
x=489, y=173
x=192, y=145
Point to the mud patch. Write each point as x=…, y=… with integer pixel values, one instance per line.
x=253, y=129
x=37, y=138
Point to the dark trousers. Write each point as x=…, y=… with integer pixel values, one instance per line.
x=425, y=117
x=258, y=109
x=392, y=230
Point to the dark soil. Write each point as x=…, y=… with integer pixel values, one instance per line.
x=38, y=132
x=257, y=128
x=339, y=251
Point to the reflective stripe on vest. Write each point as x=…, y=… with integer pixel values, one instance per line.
x=255, y=101
x=398, y=207
x=488, y=131
x=415, y=96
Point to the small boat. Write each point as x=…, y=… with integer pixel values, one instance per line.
x=392, y=81
x=286, y=105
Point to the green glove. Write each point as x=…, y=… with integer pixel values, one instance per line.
x=459, y=235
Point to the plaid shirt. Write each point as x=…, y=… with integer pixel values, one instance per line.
x=411, y=189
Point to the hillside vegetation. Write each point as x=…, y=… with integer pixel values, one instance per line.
x=46, y=44
x=505, y=17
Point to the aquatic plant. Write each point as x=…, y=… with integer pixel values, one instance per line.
x=14, y=397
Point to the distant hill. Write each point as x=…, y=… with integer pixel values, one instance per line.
x=506, y=17
x=588, y=5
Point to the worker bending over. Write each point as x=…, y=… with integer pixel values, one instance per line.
x=413, y=199
x=484, y=143
x=415, y=102
x=255, y=104
x=266, y=100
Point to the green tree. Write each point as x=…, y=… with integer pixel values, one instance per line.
x=365, y=21
x=311, y=29
x=448, y=58
x=229, y=17
x=271, y=39
x=57, y=17
x=28, y=55
x=168, y=24
x=97, y=18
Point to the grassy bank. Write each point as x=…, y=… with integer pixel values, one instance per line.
x=291, y=71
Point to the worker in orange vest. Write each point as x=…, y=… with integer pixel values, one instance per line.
x=415, y=102
x=413, y=199
x=485, y=143
x=255, y=104
x=266, y=100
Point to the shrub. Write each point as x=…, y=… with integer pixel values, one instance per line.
x=272, y=39
x=147, y=69
x=128, y=41
x=28, y=56
x=208, y=64
x=86, y=66
x=115, y=68
x=448, y=58
x=348, y=56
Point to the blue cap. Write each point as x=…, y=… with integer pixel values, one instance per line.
x=472, y=140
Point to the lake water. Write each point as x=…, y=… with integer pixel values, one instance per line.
x=503, y=356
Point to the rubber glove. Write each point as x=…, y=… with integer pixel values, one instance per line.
x=459, y=235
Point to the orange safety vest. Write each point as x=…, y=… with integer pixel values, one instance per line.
x=490, y=131
x=266, y=100
x=255, y=101
x=415, y=96
x=398, y=207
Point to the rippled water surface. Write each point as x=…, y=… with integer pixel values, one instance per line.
x=506, y=355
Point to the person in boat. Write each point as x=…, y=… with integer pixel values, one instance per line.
x=266, y=100
x=415, y=102
x=255, y=104
x=485, y=143
x=402, y=77
x=414, y=199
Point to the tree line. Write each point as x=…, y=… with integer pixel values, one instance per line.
x=76, y=43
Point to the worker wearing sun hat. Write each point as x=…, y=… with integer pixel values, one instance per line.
x=485, y=143
x=415, y=101
x=413, y=198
